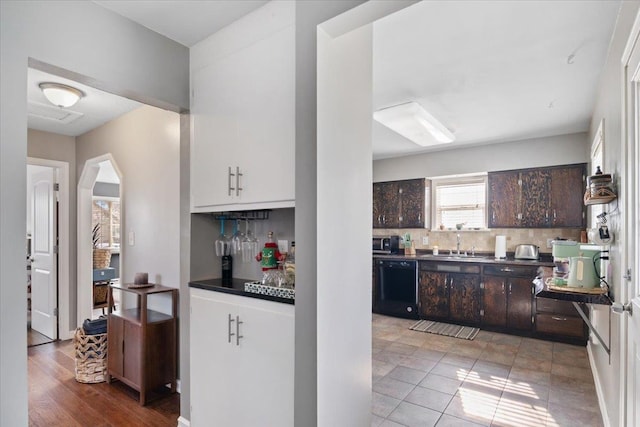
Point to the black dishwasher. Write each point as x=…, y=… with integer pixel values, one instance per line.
x=396, y=288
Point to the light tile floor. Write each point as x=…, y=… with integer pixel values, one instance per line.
x=422, y=379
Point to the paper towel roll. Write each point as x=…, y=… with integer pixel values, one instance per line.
x=501, y=247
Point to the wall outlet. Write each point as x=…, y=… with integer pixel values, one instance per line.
x=425, y=240
x=549, y=243
x=132, y=238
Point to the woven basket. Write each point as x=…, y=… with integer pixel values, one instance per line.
x=101, y=258
x=100, y=294
x=91, y=357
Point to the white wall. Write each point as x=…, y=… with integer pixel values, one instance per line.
x=145, y=144
x=344, y=199
x=51, y=146
x=550, y=151
x=117, y=55
x=609, y=108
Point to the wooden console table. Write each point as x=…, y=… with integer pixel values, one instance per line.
x=142, y=343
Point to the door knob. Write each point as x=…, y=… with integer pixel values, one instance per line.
x=620, y=308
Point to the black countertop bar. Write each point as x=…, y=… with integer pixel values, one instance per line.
x=236, y=288
x=544, y=261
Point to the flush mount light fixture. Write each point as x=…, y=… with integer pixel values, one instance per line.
x=414, y=123
x=61, y=95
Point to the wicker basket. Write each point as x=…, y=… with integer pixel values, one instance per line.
x=101, y=258
x=91, y=357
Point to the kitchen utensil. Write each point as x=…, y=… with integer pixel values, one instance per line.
x=236, y=239
x=223, y=244
x=527, y=252
x=582, y=273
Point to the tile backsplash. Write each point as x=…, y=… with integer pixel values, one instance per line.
x=482, y=240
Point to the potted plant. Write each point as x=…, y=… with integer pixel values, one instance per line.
x=101, y=256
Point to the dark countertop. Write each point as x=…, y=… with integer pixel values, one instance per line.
x=575, y=296
x=544, y=261
x=236, y=288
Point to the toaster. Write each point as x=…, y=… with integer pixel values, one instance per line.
x=527, y=252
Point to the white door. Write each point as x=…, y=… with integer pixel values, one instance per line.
x=44, y=285
x=632, y=247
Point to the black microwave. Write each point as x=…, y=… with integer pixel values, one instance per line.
x=386, y=245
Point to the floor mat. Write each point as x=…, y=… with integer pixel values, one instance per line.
x=456, y=331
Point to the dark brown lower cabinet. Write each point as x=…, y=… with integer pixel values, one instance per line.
x=453, y=295
x=464, y=298
x=507, y=297
x=560, y=321
x=433, y=298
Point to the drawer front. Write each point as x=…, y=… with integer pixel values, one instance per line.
x=449, y=267
x=549, y=305
x=558, y=324
x=511, y=270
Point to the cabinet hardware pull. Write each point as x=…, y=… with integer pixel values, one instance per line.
x=230, y=188
x=238, y=175
x=502, y=287
x=506, y=269
x=238, y=336
x=554, y=216
x=509, y=288
x=384, y=219
x=559, y=318
x=230, y=333
x=379, y=219
x=420, y=217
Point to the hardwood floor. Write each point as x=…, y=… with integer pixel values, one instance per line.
x=36, y=338
x=57, y=399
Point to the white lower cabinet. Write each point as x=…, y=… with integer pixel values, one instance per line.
x=242, y=361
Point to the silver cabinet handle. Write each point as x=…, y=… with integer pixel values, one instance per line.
x=238, y=336
x=238, y=175
x=506, y=269
x=509, y=288
x=503, y=287
x=419, y=217
x=562, y=319
x=231, y=320
x=230, y=175
x=384, y=219
x=554, y=216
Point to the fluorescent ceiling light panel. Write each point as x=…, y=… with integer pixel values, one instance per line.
x=414, y=123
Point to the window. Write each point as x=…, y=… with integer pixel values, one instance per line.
x=460, y=201
x=597, y=160
x=106, y=212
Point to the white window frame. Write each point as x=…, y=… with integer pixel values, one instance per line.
x=460, y=179
x=596, y=159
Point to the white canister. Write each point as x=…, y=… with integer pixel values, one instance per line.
x=501, y=247
x=435, y=250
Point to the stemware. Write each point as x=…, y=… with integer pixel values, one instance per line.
x=223, y=244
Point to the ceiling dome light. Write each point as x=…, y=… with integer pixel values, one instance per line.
x=61, y=95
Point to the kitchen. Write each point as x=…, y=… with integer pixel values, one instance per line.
x=328, y=270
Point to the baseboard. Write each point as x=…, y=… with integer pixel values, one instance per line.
x=599, y=393
x=183, y=422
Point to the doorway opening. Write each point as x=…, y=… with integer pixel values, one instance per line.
x=100, y=220
x=47, y=250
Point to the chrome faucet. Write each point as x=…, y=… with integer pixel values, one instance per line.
x=458, y=244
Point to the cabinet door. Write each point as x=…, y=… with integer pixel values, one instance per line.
x=519, y=303
x=412, y=203
x=115, y=347
x=567, y=190
x=378, y=205
x=266, y=361
x=215, y=140
x=433, y=298
x=390, y=200
x=536, y=205
x=132, y=363
x=494, y=301
x=215, y=398
x=464, y=297
x=504, y=194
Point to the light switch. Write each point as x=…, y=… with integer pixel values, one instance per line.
x=132, y=238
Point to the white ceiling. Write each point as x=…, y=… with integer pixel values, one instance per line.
x=491, y=71
x=94, y=109
x=185, y=21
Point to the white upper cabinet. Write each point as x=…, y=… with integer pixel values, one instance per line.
x=243, y=114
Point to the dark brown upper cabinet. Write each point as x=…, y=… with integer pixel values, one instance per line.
x=399, y=204
x=537, y=198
